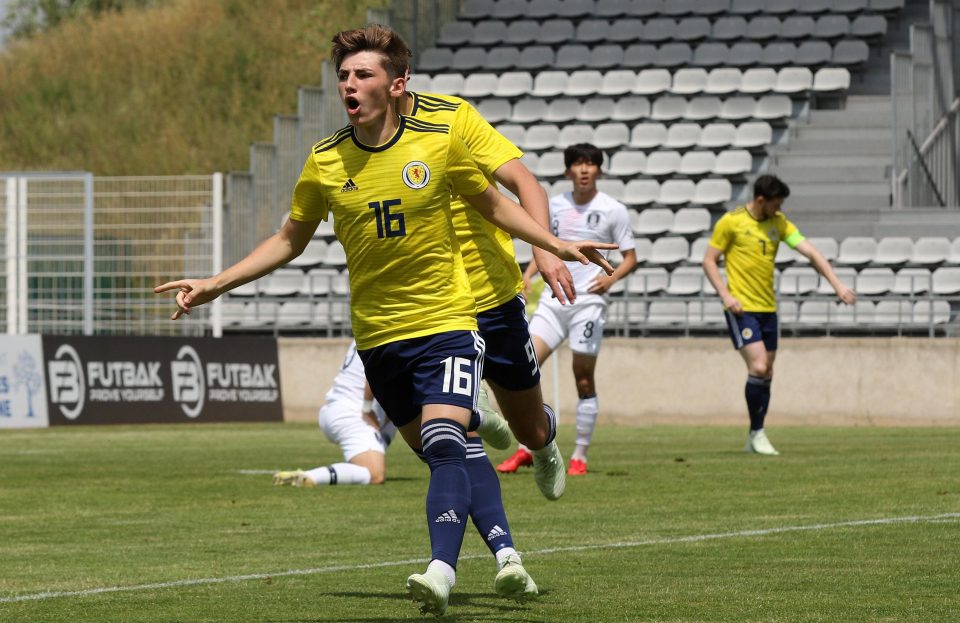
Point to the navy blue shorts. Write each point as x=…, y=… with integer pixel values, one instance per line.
x=751, y=327
x=444, y=368
x=510, y=359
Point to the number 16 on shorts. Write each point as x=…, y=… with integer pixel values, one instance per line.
x=458, y=376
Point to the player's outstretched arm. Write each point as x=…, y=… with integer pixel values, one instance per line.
x=844, y=293
x=272, y=253
x=522, y=183
x=510, y=217
x=712, y=271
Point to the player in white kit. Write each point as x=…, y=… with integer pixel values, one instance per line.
x=353, y=420
x=585, y=212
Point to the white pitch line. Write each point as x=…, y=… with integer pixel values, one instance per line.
x=696, y=538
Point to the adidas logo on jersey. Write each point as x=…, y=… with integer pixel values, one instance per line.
x=496, y=532
x=448, y=516
x=349, y=186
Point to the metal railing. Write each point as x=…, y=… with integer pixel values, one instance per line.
x=926, y=142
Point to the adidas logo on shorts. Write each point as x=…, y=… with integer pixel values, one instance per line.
x=448, y=516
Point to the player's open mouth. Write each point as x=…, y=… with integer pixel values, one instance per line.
x=353, y=105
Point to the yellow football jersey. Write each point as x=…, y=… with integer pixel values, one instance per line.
x=391, y=211
x=750, y=249
x=487, y=250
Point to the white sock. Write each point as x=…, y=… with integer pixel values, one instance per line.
x=449, y=572
x=340, y=474
x=502, y=554
x=587, y=409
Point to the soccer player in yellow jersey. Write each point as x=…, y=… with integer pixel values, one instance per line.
x=388, y=179
x=510, y=364
x=748, y=238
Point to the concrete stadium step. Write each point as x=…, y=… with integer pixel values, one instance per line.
x=839, y=189
x=798, y=159
x=853, y=146
x=843, y=134
x=840, y=172
x=868, y=103
x=848, y=119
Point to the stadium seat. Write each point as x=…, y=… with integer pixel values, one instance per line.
x=781, y=7
x=466, y=60
x=815, y=6
x=733, y=163
x=703, y=108
x=435, y=59
x=335, y=256
x=785, y=255
x=536, y=57
x=513, y=133
x=542, y=9
x=682, y=136
x=509, y=9
x=729, y=28
x=753, y=135
x=653, y=222
x=875, y=281
x=773, y=107
x=611, y=136
x=763, y=28
x=606, y=56
x=454, y=34
x=560, y=110
x=648, y=135
x=652, y=82
x=697, y=164
x=232, y=312
x=886, y=6
x=816, y=312
x=572, y=56
x=780, y=53
x=678, y=8
x=639, y=55
x=689, y=81
x=584, y=82
x=669, y=250
x=717, y=135
x=692, y=29
x=659, y=30
x=663, y=163
x=850, y=52
x=912, y=281
x=860, y=313
x=690, y=221
x=710, y=54
x=530, y=110
x=625, y=163
x=686, y=281
x=631, y=108
x=723, y=80
x=697, y=250
x=946, y=281
x=573, y=134
x=930, y=251
x=448, y=84
x=893, y=312
x=758, y=80
x=550, y=83
x=797, y=27
x=849, y=6
x=846, y=274
x=513, y=84
x=613, y=8
x=522, y=32
x=420, y=83
x=893, y=251
x=673, y=55
x=931, y=312
x=668, y=108
x=794, y=80
x=676, y=192
x=711, y=192
x=747, y=7
x=477, y=9
x=857, y=251
x=830, y=79
x=626, y=31
x=574, y=8
x=488, y=33
x=798, y=280
x=542, y=137
x=647, y=281
x=551, y=164
x=641, y=192
x=295, y=313
x=592, y=31
x=738, y=108
x=667, y=313
x=313, y=255
x=832, y=27
x=495, y=110
x=479, y=85
x=827, y=247
x=643, y=247
x=260, y=313
x=612, y=187
x=788, y=311
x=617, y=82
x=597, y=110
x=814, y=53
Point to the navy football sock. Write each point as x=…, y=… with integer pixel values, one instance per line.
x=757, y=393
x=486, y=505
x=448, y=495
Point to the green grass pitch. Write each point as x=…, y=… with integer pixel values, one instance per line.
x=161, y=523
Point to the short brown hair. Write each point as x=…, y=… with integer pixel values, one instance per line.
x=376, y=38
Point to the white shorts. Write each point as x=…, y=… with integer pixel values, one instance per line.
x=582, y=322
x=342, y=423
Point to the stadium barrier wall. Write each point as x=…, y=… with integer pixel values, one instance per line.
x=57, y=380
x=700, y=381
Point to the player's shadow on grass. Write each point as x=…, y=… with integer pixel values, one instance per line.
x=496, y=608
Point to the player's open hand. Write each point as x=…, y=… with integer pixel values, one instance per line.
x=191, y=293
x=556, y=275
x=733, y=305
x=847, y=295
x=586, y=251
x=601, y=285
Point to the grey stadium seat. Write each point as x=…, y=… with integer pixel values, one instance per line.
x=663, y=163
x=893, y=251
x=420, y=83
x=857, y=251
x=479, y=85
x=710, y=7
x=575, y=8
x=717, y=135
x=648, y=135
x=449, y=84
x=626, y=30
x=846, y=274
x=849, y=6
x=283, y=282
x=828, y=248
x=611, y=135
x=641, y=192
x=509, y=9
x=711, y=192
x=659, y=29
x=814, y=53
x=678, y=7
x=667, y=313
x=954, y=257
x=676, y=193
x=639, y=55
x=669, y=108
x=572, y=56
x=912, y=281
x=435, y=59
x=551, y=164
x=779, y=53
x=561, y=110
x=513, y=84
x=626, y=163
x=831, y=79
x=673, y=55
x=617, y=82
x=542, y=137
x=931, y=312
x=723, y=80
x=693, y=29
x=691, y=222
x=584, y=82
x=541, y=9
x=550, y=83
x=530, y=110
x=697, y=164
x=850, y=52
x=886, y=6
x=697, y=250
x=930, y=251
x=710, y=54
x=729, y=28
x=576, y=133
x=536, y=57
x=296, y=313
x=653, y=222
x=792, y=80
x=647, y=280
x=455, y=34
x=747, y=7
x=688, y=81
x=514, y=133
x=312, y=256
x=631, y=108
x=477, y=9
x=468, y=59
x=733, y=163
x=946, y=281
x=797, y=27
x=488, y=33
x=832, y=27
x=781, y=7
x=772, y=107
x=815, y=6
x=556, y=32
x=669, y=250
x=597, y=109
x=612, y=8
x=763, y=28
x=643, y=246
x=683, y=135
x=605, y=57
x=798, y=280
x=503, y=58
x=868, y=26
x=652, y=82
x=736, y=108
x=875, y=281
x=686, y=281
x=757, y=80
x=889, y=312
x=522, y=32
x=745, y=54
x=703, y=108
x=611, y=187
x=592, y=31
x=753, y=135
